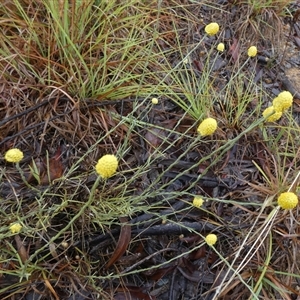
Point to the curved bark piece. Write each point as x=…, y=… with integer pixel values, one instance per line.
x=123, y=242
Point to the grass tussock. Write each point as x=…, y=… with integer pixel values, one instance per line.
x=77, y=82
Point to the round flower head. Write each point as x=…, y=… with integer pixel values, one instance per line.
x=107, y=166
x=221, y=47
x=287, y=200
x=15, y=228
x=283, y=101
x=14, y=155
x=198, y=201
x=212, y=28
x=274, y=117
x=211, y=239
x=207, y=127
x=154, y=101
x=252, y=51
x=186, y=60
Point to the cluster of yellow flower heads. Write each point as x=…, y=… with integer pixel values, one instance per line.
x=276, y=115
x=209, y=125
x=211, y=238
x=213, y=28
x=14, y=155
x=281, y=103
x=107, y=165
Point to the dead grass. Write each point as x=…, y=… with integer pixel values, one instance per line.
x=262, y=24
x=77, y=81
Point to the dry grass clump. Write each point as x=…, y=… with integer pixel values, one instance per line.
x=263, y=22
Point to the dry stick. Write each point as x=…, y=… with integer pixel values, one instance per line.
x=32, y=126
x=147, y=258
x=293, y=185
x=112, y=276
x=144, y=220
x=93, y=103
x=162, y=229
x=294, y=181
x=26, y=111
x=102, y=103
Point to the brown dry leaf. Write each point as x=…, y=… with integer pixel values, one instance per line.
x=198, y=65
x=297, y=105
x=55, y=169
x=154, y=136
x=50, y=287
x=21, y=249
x=160, y=273
x=297, y=41
x=132, y=293
x=123, y=242
x=234, y=49
x=198, y=253
x=132, y=296
x=46, y=175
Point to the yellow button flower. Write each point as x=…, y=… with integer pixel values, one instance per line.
x=207, y=127
x=154, y=101
x=283, y=101
x=221, y=47
x=15, y=228
x=287, y=200
x=252, y=51
x=272, y=118
x=107, y=165
x=211, y=239
x=212, y=28
x=14, y=155
x=186, y=60
x=198, y=201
